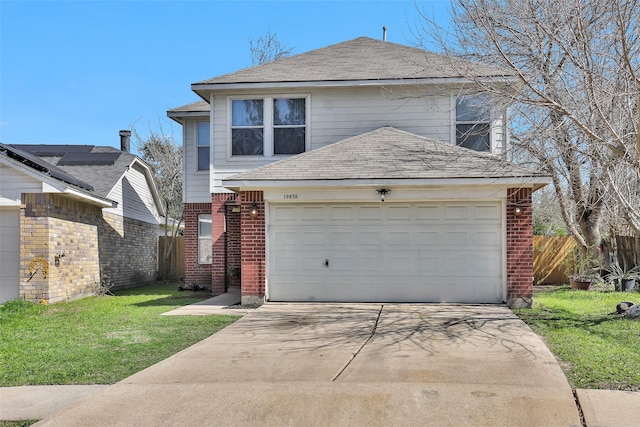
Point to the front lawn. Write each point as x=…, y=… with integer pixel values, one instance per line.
x=596, y=349
x=97, y=340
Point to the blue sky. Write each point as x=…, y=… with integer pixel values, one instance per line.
x=76, y=72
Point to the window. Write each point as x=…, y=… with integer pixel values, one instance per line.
x=205, y=244
x=268, y=126
x=247, y=127
x=203, y=146
x=289, y=125
x=473, y=122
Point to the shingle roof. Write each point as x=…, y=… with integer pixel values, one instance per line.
x=101, y=177
x=362, y=58
x=194, y=107
x=35, y=162
x=386, y=153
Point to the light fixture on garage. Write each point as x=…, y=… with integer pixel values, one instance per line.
x=383, y=192
x=254, y=210
x=517, y=211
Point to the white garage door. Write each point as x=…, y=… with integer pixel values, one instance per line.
x=9, y=253
x=386, y=252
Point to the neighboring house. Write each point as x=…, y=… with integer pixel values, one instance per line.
x=340, y=174
x=72, y=217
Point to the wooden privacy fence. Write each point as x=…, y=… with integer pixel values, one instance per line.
x=628, y=251
x=552, y=259
x=175, y=266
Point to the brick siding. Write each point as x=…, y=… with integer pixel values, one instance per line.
x=68, y=247
x=50, y=225
x=128, y=250
x=194, y=273
x=252, y=248
x=519, y=248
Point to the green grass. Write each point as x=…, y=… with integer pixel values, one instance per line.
x=97, y=340
x=596, y=349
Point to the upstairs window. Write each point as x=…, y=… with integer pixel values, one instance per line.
x=247, y=127
x=473, y=121
x=269, y=126
x=203, y=146
x=289, y=126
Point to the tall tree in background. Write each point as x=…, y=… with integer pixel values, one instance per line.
x=267, y=48
x=164, y=158
x=576, y=97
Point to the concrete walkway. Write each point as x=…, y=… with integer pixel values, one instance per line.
x=341, y=364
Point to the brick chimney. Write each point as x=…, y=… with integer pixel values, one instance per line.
x=125, y=140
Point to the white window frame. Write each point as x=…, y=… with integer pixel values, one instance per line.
x=267, y=134
x=455, y=122
x=203, y=239
x=198, y=146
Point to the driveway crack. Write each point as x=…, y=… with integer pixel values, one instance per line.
x=353, y=356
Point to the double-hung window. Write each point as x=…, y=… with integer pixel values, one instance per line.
x=205, y=243
x=203, y=146
x=269, y=126
x=247, y=127
x=473, y=121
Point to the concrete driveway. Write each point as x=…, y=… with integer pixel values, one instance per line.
x=347, y=364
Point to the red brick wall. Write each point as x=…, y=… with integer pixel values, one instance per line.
x=194, y=273
x=252, y=247
x=219, y=203
x=519, y=246
x=233, y=240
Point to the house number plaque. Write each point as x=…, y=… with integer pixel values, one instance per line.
x=290, y=196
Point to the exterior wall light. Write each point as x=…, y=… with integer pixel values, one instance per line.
x=383, y=192
x=517, y=211
x=254, y=211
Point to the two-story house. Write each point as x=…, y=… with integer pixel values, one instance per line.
x=365, y=171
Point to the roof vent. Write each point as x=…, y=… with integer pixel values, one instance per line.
x=384, y=34
x=125, y=140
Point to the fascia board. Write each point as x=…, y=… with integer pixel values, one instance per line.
x=532, y=182
x=198, y=87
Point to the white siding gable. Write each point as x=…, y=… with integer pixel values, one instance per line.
x=134, y=197
x=13, y=183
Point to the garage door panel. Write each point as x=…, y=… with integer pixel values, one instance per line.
x=9, y=254
x=387, y=252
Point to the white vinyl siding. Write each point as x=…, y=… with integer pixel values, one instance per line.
x=335, y=114
x=196, y=183
x=134, y=197
x=13, y=183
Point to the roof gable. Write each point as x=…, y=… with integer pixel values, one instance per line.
x=359, y=59
x=386, y=153
x=34, y=162
x=100, y=167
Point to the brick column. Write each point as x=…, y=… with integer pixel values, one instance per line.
x=252, y=248
x=519, y=248
x=219, y=240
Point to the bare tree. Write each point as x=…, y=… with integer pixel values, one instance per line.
x=164, y=157
x=576, y=98
x=267, y=48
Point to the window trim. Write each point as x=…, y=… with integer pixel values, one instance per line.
x=198, y=146
x=455, y=122
x=209, y=238
x=268, y=126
